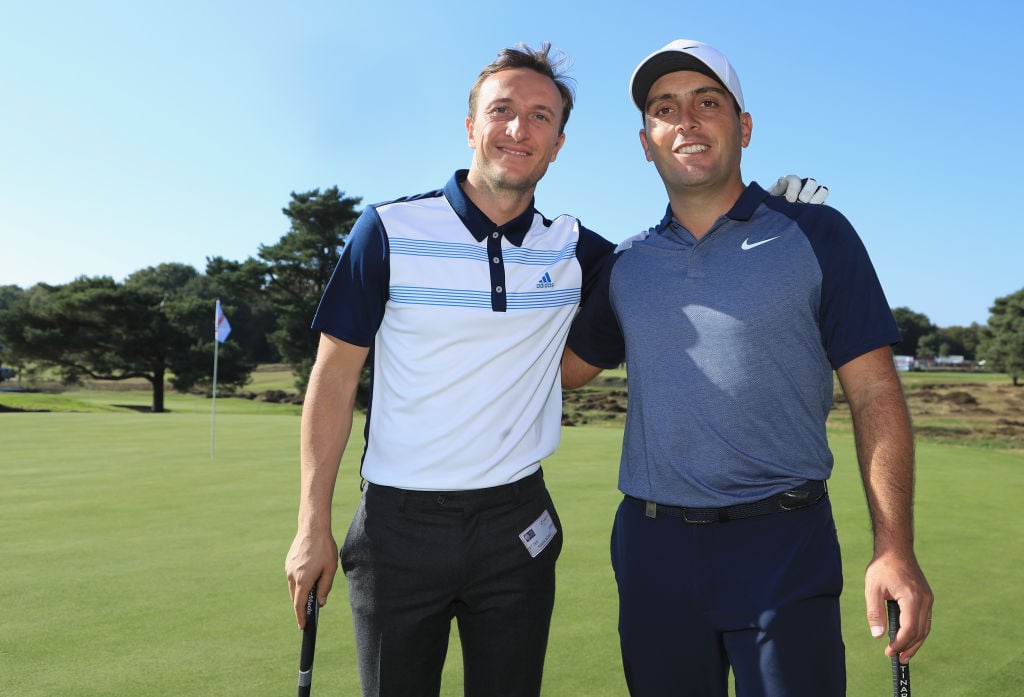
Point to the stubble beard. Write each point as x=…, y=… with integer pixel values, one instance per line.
x=512, y=184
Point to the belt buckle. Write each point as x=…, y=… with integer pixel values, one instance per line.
x=794, y=498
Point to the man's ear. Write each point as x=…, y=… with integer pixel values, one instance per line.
x=746, y=128
x=643, y=144
x=470, y=133
x=558, y=146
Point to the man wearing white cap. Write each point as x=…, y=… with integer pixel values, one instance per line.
x=731, y=315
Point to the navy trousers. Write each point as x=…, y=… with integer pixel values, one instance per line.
x=757, y=595
x=415, y=560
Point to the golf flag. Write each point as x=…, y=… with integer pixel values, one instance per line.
x=221, y=326
x=221, y=329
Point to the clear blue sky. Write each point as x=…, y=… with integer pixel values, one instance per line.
x=137, y=133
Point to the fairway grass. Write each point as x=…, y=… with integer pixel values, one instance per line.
x=133, y=563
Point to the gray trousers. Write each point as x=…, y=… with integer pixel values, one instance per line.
x=414, y=560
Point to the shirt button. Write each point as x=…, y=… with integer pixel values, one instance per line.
x=496, y=260
x=497, y=289
x=495, y=235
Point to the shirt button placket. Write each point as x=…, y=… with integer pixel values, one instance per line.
x=498, y=297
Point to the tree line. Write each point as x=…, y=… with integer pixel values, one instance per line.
x=1000, y=343
x=158, y=323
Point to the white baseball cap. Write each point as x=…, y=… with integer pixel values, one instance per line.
x=684, y=54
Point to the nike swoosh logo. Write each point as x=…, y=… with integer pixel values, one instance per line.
x=747, y=245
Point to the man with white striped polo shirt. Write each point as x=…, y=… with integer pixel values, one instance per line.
x=462, y=297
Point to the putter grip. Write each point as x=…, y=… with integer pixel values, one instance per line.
x=900, y=671
x=308, y=644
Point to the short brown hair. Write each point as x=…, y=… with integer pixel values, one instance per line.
x=522, y=56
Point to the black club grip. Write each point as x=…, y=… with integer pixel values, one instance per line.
x=900, y=671
x=308, y=644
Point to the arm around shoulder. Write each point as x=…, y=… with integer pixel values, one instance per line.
x=576, y=372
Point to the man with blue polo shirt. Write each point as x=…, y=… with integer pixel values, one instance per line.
x=731, y=315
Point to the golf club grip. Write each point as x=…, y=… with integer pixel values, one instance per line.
x=900, y=671
x=308, y=644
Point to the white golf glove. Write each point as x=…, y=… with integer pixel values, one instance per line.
x=796, y=189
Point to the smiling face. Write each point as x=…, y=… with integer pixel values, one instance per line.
x=692, y=133
x=514, y=132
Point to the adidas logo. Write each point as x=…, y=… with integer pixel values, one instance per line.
x=545, y=281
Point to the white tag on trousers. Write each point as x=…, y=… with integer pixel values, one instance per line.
x=539, y=534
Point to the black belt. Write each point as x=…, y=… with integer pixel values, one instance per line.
x=799, y=497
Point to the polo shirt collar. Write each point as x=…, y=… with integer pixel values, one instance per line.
x=752, y=197
x=478, y=224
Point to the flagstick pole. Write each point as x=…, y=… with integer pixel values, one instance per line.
x=213, y=420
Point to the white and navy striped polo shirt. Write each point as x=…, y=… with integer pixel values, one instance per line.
x=467, y=321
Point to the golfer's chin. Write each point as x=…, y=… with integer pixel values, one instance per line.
x=519, y=183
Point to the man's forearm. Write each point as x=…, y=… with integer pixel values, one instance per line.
x=885, y=446
x=885, y=451
x=326, y=425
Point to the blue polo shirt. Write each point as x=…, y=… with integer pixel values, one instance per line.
x=730, y=343
x=467, y=321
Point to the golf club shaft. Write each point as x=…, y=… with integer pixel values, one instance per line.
x=308, y=644
x=900, y=671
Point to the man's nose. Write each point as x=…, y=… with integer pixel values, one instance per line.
x=686, y=120
x=517, y=128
